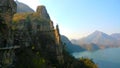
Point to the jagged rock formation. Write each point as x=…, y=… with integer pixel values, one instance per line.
x=7, y=9
x=41, y=10
x=37, y=26
x=33, y=42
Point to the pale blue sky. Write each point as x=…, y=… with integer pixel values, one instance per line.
x=78, y=18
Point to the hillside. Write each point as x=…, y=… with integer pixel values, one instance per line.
x=71, y=48
x=116, y=35
x=100, y=39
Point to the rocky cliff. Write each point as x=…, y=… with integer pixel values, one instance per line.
x=31, y=41
x=37, y=30
x=7, y=9
x=41, y=10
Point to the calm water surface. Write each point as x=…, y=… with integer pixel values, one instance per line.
x=107, y=58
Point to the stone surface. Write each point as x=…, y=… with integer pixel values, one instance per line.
x=7, y=9
x=41, y=10
x=39, y=43
x=37, y=26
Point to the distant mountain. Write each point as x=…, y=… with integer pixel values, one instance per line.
x=21, y=7
x=116, y=35
x=100, y=39
x=69, y=46
x=90, y=46
x=86, y=46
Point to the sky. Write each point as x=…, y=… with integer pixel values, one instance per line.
x=79, y=18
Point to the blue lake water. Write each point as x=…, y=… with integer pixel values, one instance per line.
x=107, y=58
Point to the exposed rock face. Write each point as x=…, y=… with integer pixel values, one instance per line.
x=39, y=44
x=41, y=10
x=38, y=30
x=8, y=5
x=7, y=9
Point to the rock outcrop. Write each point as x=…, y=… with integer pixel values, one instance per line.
x=37, y=29
x=7, y=10
x=41, y=10
x=31, y=41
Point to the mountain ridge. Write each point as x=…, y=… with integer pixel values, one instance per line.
x=101, y=39
x=23, y=8
x=71, y=48
x=116, y=35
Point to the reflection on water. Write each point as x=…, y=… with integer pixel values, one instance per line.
x=107, y=58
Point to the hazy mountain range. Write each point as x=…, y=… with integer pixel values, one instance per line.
x=116, y=35
x=98, y=40
x=69, y=46
x=22, y=8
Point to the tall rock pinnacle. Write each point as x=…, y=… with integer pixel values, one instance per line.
x=41, y=10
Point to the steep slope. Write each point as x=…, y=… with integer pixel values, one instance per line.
x=99, y=38
x=7, y=10
x=71, y=48
x=21, y=7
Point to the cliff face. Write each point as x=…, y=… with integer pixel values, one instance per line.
x=41, y=10
x=34, y=23
x=31, y=41
x=7, y=9
x=37, y=30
